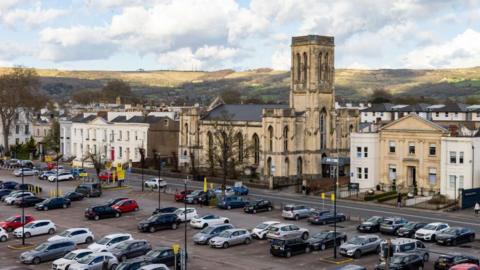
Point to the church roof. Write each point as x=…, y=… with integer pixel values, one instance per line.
x=241, y=112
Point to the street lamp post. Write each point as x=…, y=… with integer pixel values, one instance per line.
x=185, y=228
x=335, y=193
x=142, y=164
x=159, y=177
x=23, y=208
x=58, y=158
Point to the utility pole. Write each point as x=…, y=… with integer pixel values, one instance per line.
x=58, y=158
x=185, y=217
x=335, y=193
x=142, y=164
x=159, y=177
x=23, y=207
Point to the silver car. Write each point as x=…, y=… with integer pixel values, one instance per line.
x=209, y=232
x=47, y=251
x=287, y=231
x=95, y=261
x=359, y=245
x=231, y=237
x=292, y=211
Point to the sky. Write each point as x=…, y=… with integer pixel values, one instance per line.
x=240, y=35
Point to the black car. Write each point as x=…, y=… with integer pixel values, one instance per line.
x=163, y=255
x=74, y=196
x=101, y=211
x=113, y=201
x=9, y=185
x=409, y=229
x=28, y=201
x=288, y=247
x=258, y=206
x=159, y=221
x=53, y=203
x=200, y=196
x=29, y=187
x=370, y=225
x=455, y=235
x=5, y=192
x=444, y=262
x=90, y=189
x=132, y=264
x=324, y=240
x=351, y=267
x=403, y=261
x=324, y=217
x=131, y=249
x=164, y=210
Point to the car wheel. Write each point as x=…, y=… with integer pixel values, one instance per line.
x=51, y=231
x=254, y=211
x=247, y=241
x=45, y=208
x=305, y=236
x=64, y=206
x=71, y=178
x=342, y=219
x=88, y=240
x=425, y=257
x=226, y=221
x=174, y=226
x=225, y=245
x=27, y=235
x=152, y=229
x=433, y=238
x=229, y=207
x=264, y=237
x=36, y=260
x=204, y=225
x=269, y=209
x=113, y=267
x=471, y=238
x=88, y=195
x=195, y=201
x=322, y=247
x=357, y=254
x=96, y=217
x=123, y=258
x=3, y=239
x=297, y=217
x=378, y=249
x=288, y=254
x=307, y=250
x=117, y=215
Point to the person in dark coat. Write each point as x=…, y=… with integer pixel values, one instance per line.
x=399, y=200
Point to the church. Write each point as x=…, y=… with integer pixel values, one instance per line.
x=294, y=144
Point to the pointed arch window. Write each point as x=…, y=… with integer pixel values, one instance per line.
x=298, y=65
x=304, y=71
x=320, y=63
x=270, y=138
x=285, y=139
x=186, y=133
x=240, y=146
x=327, y=67
x=323, y=134
x=256, y=149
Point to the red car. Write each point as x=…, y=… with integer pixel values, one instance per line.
x=180, y=195
x=105, y=175
x=127, y=205
x=465, y=266
x=15, y=222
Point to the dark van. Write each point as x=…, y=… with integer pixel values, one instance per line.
x=90, y=189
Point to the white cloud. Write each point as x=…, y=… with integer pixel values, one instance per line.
x=12, y=16
x=10, y=51
x=206, y=57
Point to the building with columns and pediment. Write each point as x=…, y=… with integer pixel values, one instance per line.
x=291, y=144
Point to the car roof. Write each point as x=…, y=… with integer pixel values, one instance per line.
x=437, y=223
x=271, y=222
x=76, y=251
x=402, y=254
x=61, y=240
x=76, y=229
x=162, y=248
x=41, y=220
x=113, y=235
x=220, y=225
x=399, y=241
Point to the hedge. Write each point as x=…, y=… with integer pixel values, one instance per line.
x=390, y=197
x=379, y=196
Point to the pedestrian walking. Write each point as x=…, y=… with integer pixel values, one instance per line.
x=477, y=208
x=399, y=200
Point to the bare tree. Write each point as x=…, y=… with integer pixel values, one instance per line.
x=96, y=160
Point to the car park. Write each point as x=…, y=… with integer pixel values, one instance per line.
x=447, y=261
x=204, y=221
x=360, y=245
x=228, y=191
x=159, y=221
x=229, y=202
x=370, y=225
x=100, y=212
x=391, y=225
x=163, y=255
x=185, y=214
x=165, y=210
x=64, y=176
x=409, y=229
x=29, y=187
x=155, y=182
x=127, y=205
x=134, y=264
x=28, y=201
x=76, y=172
x=3, y=235
x=77, y=235
x=261, y=230
x=181, y=194
x=351, y=267
x=110, y=241
x=25, y=172
x=318, y=217
x=430, y=231
x=15, y=222
x=403, y=261
x=131, y=249
x=291, y=211
x=209, y=232
x=89, y=189
x=95, y=261
x=258, y=206
x=405, y=245
x=455, y=235
x=70, y=258
x=287, y=231
x=288, y=247
x=53, y=203
x=47, y=251
x=11, y=193
x=326, y=239
x=11, y=199
x=36, y=227
x=231, y=237
x=73, y=196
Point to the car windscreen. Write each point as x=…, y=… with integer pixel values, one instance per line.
x=278, y=242
x=104, y=241
x=356, y=240
x=262, y=226
x=288, y=208
x=207, y=230
x=320, y=235
x=41, y=247
x=409, y=225
x=87, y=259
x=430, y=227
x=373, y=219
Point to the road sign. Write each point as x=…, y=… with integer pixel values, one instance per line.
x=333, y=197
x=176, y=248
x=323, y=195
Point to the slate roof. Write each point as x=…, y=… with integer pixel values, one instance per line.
x=138, y=119
x=241, y=112
x=379, y=107
x=449, y=107
x=80, y=119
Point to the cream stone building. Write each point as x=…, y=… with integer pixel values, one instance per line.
x=289, y=143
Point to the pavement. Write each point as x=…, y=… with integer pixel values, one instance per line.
x=253, y=256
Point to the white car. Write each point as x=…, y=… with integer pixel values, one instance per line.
x=110, y=241
x=204, y=221
x=77, y=235
x=3, y=235
x=191, y=213
x=25, y=172
x=155, y=183
x=430, y=231
x=287, y=231
x=95, y=261
x=228, y=191
x=64, y=176
x=155, y=266
x=70, y=258
x=11, y=199
x=260, y=232
x=37, y=227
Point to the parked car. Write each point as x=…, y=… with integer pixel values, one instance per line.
x=288, y=247
x=258, y=206
x=370, y=225
x=391, y=225
x=36, y=227
x=155, y=182
x=326, y=239
x=90, y=189
x=430, y=231
x=180, y=195
x=164, y=255
x=109, y=241
x=159, y=221
x=105, y=176
x=207, y=220
x=455, y=235
x=101, y=211
x=53, y=203
x=409, y=229
x=229, y=202
x=9, y=185
x=231, y=237
x=13, y=197
x=287, y=231
x=131, y=249
x=70, y=258
x=134, y=264
x=228, y=191
x=114, y=201
x=12, y=192
x=190, y=213
x=324, y=217
x=209, y=232
x=28, y=201
x=465, y=266
x=447, y=261
x=359, y=245
x=156, y=266
x=351, y=267
x=73, y=196
x=402, y=261
x=29, y=187
x=199, y=196
x=26, y=163
x=3, y=235
x=5, y=192
x=405, y=245
x=77, y=235
x=240, y=190
x=127, y=205
x=25, y=172
x=47, y=251
x=45, y=175
x=64, y=176
x=165, y=210
x=76, y=172
x=14, y=222
x=95, y=261
x=261, y=230
x=291, y=211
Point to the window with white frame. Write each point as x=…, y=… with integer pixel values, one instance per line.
x=460, y=182
x=478, y=114
x=136, y=136
x=365, y=151
x=104, y=135
x=452, y=181
x=411, y=148
x=128, y=136
x=359, y=173
x=365, y=173
x=119, y=135
x=392, y=147
x=119, y=152
x=460, y=158
x=446, y=114
x=359, y=152
x=432, y=149
x=437, y=114
x=432, y=176
x=392, y=172
x=453, y=157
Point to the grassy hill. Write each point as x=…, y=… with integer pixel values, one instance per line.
x=271, y=85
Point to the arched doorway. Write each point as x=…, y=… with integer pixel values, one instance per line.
x=325, y=167
x=286, y=169
x=269, y=166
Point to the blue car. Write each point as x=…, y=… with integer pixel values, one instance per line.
x=241, y=190
x=232, y=202
x=77, y=171
x=53, y=203
x=9, y=185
